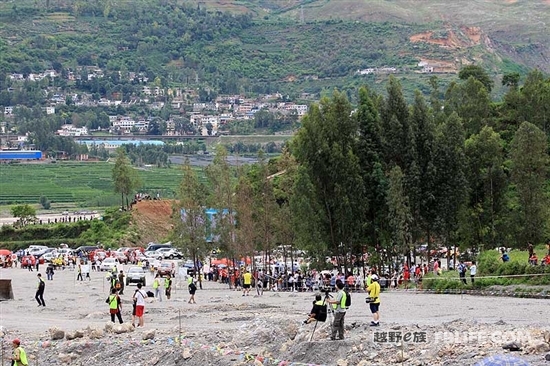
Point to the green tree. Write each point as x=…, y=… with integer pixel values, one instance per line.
x=451, y=181
x=529, y=170
x=400, y=217
x=369, y=153
x=325, y=148
x=422, y=172
x=125, y=177
x=487, y=186
x=397, y=138
x=478, y=73
x=26, y=214
x=222, y=198
x=189, y=216
x=45, y=202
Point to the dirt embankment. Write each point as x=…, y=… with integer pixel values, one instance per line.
x=152, y=220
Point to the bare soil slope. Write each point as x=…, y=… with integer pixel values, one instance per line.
x=152, y=220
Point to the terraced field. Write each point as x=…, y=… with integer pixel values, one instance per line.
x=82, y=184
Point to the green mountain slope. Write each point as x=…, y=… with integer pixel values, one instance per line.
x=269, y=45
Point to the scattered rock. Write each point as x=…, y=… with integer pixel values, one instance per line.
x=95, y=333
x=74, y=335
x=402, y=356
x=123, y=328
x=150, y=334
x=341, y=362
x=66, y=357
x=512, y=346
x=186, y=354
x=547, y=357
x=56, y=334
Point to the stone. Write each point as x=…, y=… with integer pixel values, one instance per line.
x=66, y=357
x=186, y=354
x=74, y=335
x=547, y=357
x=512, y=346
x=56, y=334
x=150, y=334
x=342, y=362
x=538, y=347
x=95, y=333
x=402, y=356
x=123, y=328
x=109, y=327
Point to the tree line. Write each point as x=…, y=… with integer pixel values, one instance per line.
x=384, y=176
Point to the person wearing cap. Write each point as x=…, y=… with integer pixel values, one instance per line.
x=19, y=356
x=319, y=310
x=374, y=293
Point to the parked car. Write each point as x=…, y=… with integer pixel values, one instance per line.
x=48, y=257
x=108, y=263
x=166, y=268
x=155, y=246
x=135, y=275
x=168, y=253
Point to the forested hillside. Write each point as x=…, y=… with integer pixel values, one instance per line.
x=248, y=49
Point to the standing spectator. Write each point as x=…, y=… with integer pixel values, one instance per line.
x=115, y=306
x=462, y=272
x=40, y=291
x=156, y=287
x=339, y=306
x=49, y=272
x=19, y=357
x=121, y=282
x=247, y=282
x=79, y=271
x=192, y=290
x=473, y=271
x=168, y=286
x=530, y=249
x=436, y=268
x=374, y=293
x=139, y=298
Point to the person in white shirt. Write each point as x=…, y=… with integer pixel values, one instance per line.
x=139, y=299
x=473, y=271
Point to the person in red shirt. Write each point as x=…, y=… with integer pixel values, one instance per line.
x=406, y=275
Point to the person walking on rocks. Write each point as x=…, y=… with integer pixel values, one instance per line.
x=19, y=357
x=40, y=291
x=156, y=287
x=139, y=298
x=115, y=306
x=339, y=306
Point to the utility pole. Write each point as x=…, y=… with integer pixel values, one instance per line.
x=302, y=14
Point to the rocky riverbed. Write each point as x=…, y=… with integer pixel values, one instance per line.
x=225, y=328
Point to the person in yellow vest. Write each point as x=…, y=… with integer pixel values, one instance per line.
x=374, y=304
x=115, y=306
x=339, y=306
x=19, y=356
x=247, y=282
x=168, y=286
x=156, y=288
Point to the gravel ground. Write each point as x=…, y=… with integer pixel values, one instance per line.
x=225, y=328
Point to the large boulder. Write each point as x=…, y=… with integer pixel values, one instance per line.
x=56, y=333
